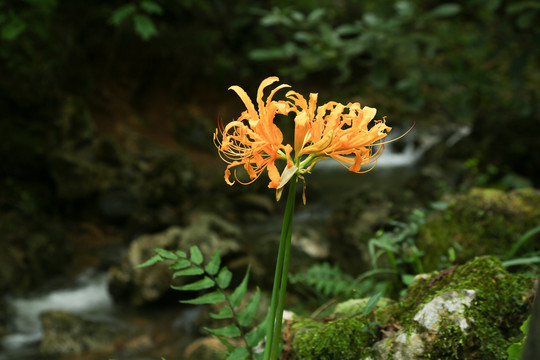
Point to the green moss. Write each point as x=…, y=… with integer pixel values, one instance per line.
x=499, y=307
x=482, y=222
x=341, y=339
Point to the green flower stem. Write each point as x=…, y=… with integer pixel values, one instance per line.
x=279, y=290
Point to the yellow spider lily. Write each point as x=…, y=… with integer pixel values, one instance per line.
x=253, y=140
x=330, y=130
x=337, y=131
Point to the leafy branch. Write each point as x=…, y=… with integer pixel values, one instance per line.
x=213, y=281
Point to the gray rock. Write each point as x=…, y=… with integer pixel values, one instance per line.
x=407, y=345
x=400, y=346
x=449, y=305
x=65, y=333
x=140, y=286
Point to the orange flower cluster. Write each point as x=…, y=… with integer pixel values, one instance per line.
x=331, y=130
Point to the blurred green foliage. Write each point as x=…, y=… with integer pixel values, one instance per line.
x=472, y=62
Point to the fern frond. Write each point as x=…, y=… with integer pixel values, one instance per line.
x=213, y=282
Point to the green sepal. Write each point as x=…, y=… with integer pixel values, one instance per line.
x=236, y=297
x=246, y=315
x=210, y=298
x=229, y=331
x=224, y=313
x=224, y=278
x=212, y=267
x=153, y=260
x=166, y=254
x=240, y=353
x=196, y=255
x=180, y=264
x=188, y=271
x=204, y=283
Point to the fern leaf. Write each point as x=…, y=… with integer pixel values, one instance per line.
x=236, y=297
x=180, y=264
x=210, y=298
x=204, y=283
x=224, y=313
x=255, y=336
x=188, y=271
x=166, y=254
x=240, y=353
x=196, y=255
x=153, y=260
x=224, y=278
x=212, y=267
x=229, y=331
x=246, y=315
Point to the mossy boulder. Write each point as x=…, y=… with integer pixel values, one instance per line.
x=481, y=222
x=346, y=333
x=473, y=311
x=344, y=339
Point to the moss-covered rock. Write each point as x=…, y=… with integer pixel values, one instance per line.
x=481, y=222
x=344, y=339
x=473, y=311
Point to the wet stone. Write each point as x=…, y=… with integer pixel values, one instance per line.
x=65, y=333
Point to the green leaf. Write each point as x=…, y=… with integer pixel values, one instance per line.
x=181, y=254
x=144, y=26
x=196, y=255
x=269, y=54
x=522, y=239
x=204, y=283
x=222, y=339
x=12, y=28
x=122, y=13
x=255, y=336
x=371, y=303
x=407, y=278
x=525, y=326
x=151, y=7
x=213, y=266
x=153, y=260
x=236, y=297
x=515, y=351
x=521, y=261
x=444, y=10
x=229, y=331
x=224, y=278
x=224, y=313
x=246, y=315
x=180, y=264
x=210, y=298
x=188, y=272
x=240, y=353
x=166, y=254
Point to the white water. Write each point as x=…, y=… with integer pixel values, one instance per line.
x=88, y=296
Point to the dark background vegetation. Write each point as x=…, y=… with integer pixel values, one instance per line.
x=73, y=71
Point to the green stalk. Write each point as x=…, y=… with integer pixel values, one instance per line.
x=273, y=333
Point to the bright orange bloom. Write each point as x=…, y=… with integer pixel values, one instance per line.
x=337, y=131
x=253, y=140
x=330, y=130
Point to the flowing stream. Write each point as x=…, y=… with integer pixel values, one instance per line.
x=88, y=296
